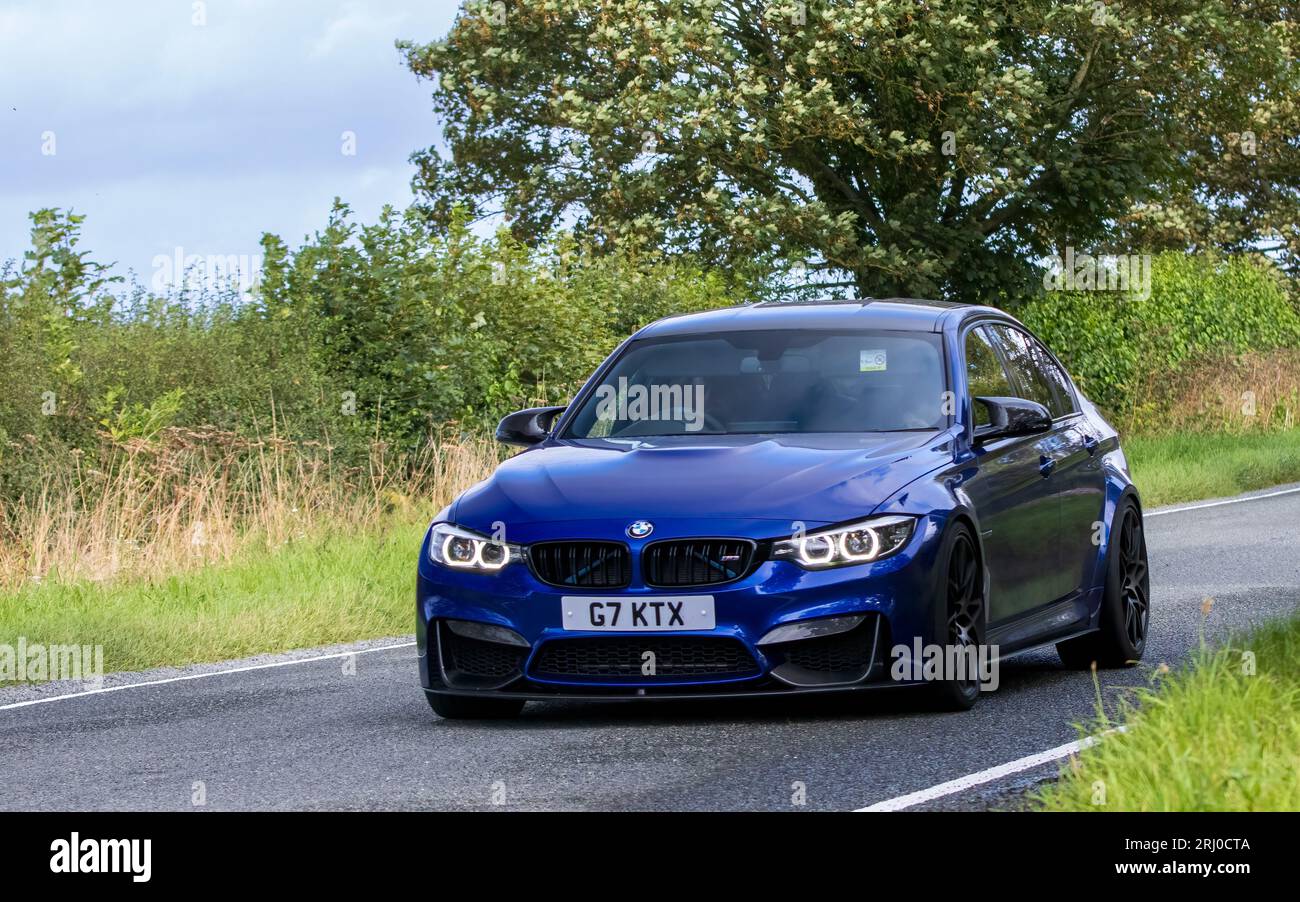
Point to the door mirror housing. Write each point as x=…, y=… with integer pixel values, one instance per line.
x=527, y=427
x=1010, y=417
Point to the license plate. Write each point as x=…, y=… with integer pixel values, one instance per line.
x=660, y=613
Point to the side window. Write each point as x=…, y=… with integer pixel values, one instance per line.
x=1060, y=382
x=984, y=374
x=1033, y=368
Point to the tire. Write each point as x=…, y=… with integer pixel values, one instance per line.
x=1121, y=635
x=960, y=619
x=463, y=707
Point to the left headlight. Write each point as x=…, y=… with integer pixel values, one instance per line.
x=841, y=546
x=461, y=549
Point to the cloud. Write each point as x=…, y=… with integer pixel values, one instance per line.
x=171, y=133
x=355, y=26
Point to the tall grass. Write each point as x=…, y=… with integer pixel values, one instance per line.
x=1170, y=469
x=149, y=508
x=1257, y=391
x=1219, y=734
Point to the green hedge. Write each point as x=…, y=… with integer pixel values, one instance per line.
x=379, y=331
x=1122, y=349
x=386, y=331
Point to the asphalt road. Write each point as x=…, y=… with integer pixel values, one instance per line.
x=311, y=736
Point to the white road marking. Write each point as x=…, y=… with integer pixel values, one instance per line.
x=1030, y=761
x=1197, y=507
x=199, y=676
x=895, y=804
x=979, y=778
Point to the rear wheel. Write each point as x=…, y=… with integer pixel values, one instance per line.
x=458, y=707
x=962, y=598
x=1125, y=607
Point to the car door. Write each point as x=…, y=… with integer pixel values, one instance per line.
x=1015, y=498
x=1080, y=481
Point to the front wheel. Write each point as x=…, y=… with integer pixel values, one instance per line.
x=464, y=707
x=960, y=600
x=1121, y=636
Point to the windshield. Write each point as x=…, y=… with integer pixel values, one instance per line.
x=734, y=383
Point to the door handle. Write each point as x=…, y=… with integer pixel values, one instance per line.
x=1090, y=444
x=1046, y=465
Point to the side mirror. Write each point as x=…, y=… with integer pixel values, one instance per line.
x=527, y=427
x=1009, y=417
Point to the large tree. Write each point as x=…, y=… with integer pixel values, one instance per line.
x=927, y=147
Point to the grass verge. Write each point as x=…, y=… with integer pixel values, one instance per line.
x=317, y=591
x=1220, y=734
x=1170, y=469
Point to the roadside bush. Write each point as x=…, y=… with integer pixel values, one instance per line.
x=386, y=332
x=382, y=332
x=1125, y=352
x=421, y=330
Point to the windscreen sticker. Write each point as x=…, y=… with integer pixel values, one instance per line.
x=871, y=361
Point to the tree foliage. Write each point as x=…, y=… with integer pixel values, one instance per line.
x=937, y=147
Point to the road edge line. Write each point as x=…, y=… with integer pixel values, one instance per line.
x=198, y=676
x=979, y=778
x=1197, y=507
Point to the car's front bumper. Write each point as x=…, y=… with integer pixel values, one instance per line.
x=891, y=596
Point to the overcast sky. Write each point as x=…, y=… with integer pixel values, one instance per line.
x=166, y=133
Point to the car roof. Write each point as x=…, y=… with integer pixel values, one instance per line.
x=904, y=314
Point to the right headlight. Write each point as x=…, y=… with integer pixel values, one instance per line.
x=841, y=546
x=461, y=549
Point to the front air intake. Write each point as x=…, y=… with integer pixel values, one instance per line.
x=677, y=563
x=624, y=658
x=582, y=565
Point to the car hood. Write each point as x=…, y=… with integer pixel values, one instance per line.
x=816, y=479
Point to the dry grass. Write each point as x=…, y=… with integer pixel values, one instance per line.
x=188, y=498
x=1254, y=392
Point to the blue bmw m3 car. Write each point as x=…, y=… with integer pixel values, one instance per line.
x=789, y=498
